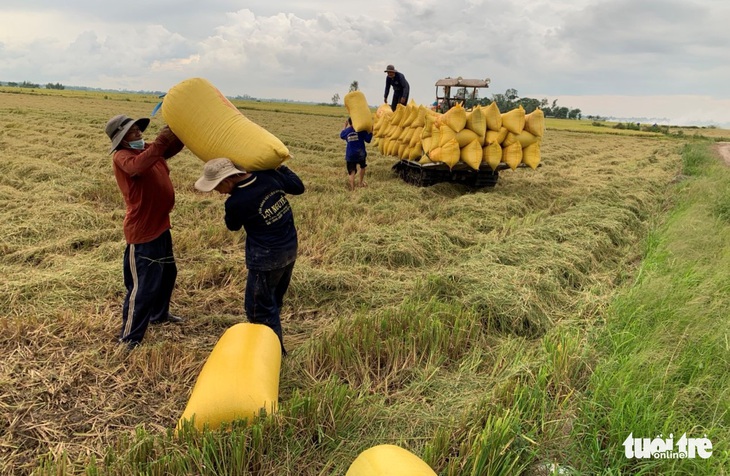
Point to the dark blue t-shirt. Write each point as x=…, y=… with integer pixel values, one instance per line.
x=355, y=151
x=259, y=205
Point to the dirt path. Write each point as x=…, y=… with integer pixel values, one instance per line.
x=723, y=150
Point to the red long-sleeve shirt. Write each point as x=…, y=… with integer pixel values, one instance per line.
x=144, y=180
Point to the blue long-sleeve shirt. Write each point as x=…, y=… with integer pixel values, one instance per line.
x=355, y=150
x=259, y=205
x=400, y=85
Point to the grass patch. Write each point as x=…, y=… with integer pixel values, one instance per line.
x=663, y=354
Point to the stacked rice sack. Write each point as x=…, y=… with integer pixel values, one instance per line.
x=483, y=135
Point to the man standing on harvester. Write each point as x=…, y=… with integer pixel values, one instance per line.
x=400, y=85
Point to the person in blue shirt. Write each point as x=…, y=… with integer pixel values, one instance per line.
x=355, y=153
x=401, y=88
x=257, y=203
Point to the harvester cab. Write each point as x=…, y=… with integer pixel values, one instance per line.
x=457, y=90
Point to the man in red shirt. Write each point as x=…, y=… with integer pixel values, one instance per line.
x=149, y=264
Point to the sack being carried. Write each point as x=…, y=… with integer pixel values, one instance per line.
x=211, y=127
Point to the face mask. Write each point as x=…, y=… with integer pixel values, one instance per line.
x=136, y=144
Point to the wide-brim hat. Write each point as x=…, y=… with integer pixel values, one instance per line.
x=389, y=69
x=118, y=126
x=215, y=171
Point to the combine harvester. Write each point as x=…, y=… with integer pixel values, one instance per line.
x=448, y=143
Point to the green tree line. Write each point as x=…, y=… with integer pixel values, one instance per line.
x=511, y=100
x=29, y=85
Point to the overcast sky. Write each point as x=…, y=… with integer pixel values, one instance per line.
x=661, y=59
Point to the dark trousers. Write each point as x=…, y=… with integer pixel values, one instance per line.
x=264, y=297
x=397, y=96
x=149, y=276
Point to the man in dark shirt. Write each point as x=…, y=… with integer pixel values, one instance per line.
x=258, y=203
x=401, y=88
x=149, y=264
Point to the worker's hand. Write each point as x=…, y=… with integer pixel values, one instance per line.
x=402, y=100
x=385, y=99
x=166, y=133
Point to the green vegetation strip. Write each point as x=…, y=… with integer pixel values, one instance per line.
x=664, y=353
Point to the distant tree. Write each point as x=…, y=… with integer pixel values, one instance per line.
x=574, y=114
x=55, y=86
x=472, y=101
x=529, y=104
x=28, y=84
x=335, y=99
x=354, y=86
x=504, y=103
x=561, y=112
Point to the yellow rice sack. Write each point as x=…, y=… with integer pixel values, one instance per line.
x=398, y=114
x=514, y=120
x=496, y=136
x=451, y=153
x=465, y=136
x=415, y=152
x=428, y=121
x=455, y=118
x=509, y=139
x=476, y=121
x=531, y=155
x=411, y=114
x=526, y=138
x=436, y=137
x=415, y=136
x=492, y=154
x=239, y=378
x=446, y=133
x=492, y=116
x=471, y=154
x=210, y=126
x=393, y=148
x=383, y=110
x=388, y=460
x=404, y=134
x=359, y=111
x=402, y=151
x=434, y=155
x=421, y=118
x=426, y=144
x=512, y=155
x=535, y=123
x=377, y=125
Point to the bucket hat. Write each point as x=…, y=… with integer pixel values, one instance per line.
x=389, y=69
x=118, y=126
x=214, y=172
